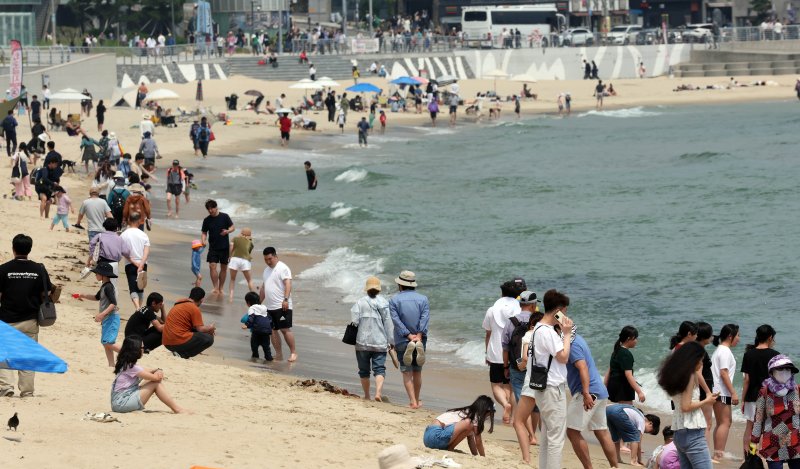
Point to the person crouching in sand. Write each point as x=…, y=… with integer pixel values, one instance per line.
x=127, y=395
x=453, y=426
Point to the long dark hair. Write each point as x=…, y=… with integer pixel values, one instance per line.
x=129, y=353
x=535, y=318
x=686, y=328
x=704, y=331
x=764, y=333
x=478, y=411
x=728, y=331
x=627, y=333
x=678, y=368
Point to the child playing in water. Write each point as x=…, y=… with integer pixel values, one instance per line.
x=260, y=324
x=197, y=251
x=382, y=118
x=64, y=207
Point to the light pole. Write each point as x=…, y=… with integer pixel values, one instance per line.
x=280, y=28
x=53, y=19
x=253, y=16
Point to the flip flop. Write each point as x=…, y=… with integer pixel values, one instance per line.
x=408, y=356
x=393, y=356
x=420, y=353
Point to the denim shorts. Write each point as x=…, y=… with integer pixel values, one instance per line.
x=371, y=360
x=620, y=425
x=110, y=329
x=437, y=437
x=127, y=400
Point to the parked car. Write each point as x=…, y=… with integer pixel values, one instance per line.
x=577, y=37
x=649, y=36
x=700, y=32
x=623, y=34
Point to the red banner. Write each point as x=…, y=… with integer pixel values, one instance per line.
x=16, y=68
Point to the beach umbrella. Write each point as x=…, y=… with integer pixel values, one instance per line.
x=309, y=85
x=20, y=352
x=364, y=88
x=445, y=80
x=405, y=81
x=67, y=96
x=162, y=95
x=496, y=73
x=199, y=95
x=255, y=93
x=523, y=78
x=328, y=82
x=422, y=80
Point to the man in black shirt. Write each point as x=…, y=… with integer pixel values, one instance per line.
x=216, y=228
x=36, y=108
x=22, y=287
x=146, y=324
x=45, y=181
x=311, y=176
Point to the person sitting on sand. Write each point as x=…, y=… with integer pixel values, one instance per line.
x=375, y=336
x=611, y=91
x=127, y=395
x=452, y=427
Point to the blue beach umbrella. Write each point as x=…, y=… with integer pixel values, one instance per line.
x=20, y=352
x=364, y=88
x=405, y=81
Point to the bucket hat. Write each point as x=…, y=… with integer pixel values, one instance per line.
x=104, y=269
x=373, y=283
x=781, y=361
x=407, y=278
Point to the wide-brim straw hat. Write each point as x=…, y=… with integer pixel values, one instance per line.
x=373, y=283
x=397, y=457
x=407, y=278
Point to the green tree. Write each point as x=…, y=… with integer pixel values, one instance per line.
x=760, y=7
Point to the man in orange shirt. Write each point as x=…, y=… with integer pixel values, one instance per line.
x=184, y=332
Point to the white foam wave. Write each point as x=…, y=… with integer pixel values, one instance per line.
x=340, y=210
x=435, y=130
x=370, y=146
x=473, y=353
x=238, y=172
x=330, y=331
x=308, y=227
x=657, y=399
x=345, y=271
x=352, y=175
x=291, y=223
x=236, y=209
x=633, y=112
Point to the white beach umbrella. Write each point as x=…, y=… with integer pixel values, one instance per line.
x=307, y=86
x=162, y=95
x=496, y=73
x=67, y=96
x=523, y=78
x=328, y=82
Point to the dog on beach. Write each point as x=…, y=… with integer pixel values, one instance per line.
x=69, y=165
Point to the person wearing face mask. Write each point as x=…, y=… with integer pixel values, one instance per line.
x=774, y=435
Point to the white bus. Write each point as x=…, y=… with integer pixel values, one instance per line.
x=483, y=25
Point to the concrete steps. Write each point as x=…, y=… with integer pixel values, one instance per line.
x=289, y=69
x=708, y=63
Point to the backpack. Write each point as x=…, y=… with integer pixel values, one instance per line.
x=203, y=134
x=515, y=343
x=117, y=203
x=174, y=177
x=36, y=175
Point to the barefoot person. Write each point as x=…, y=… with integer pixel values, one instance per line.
x=176, y=182
x=410, y=314
x=375, y=336
x=276, y=293
x=241, y=247
x=216, y=228
x=127, y=395
x=453, y=426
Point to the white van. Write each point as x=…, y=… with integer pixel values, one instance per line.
x=623, y=34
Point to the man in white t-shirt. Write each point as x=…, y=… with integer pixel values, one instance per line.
x=275, y=294
x=551, y=349
x=494, y=322
x=138, y=244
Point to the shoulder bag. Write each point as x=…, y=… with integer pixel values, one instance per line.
x=350, y=333
x=538, y=380
x=47, y=310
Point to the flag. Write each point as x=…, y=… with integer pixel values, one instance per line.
x=16, y=68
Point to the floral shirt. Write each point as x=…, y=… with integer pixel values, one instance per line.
x=777, y=425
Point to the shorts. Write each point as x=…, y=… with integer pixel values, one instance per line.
x=362, y=137
x=620, y=425
x=725, y=400
x=580, y=419
x=43, y=190
x=436, y=437
x=63, y=218
x=127, y=400
x=237, y=263
x=497, y=374
x=280, y=319
x=131, y=274
x=750, y=411
x=376, y=361
x=284, y=135
x=401, y=350
x=453, y=109
x=110, y=329
x=433, y=115
x=217, y=256
x=174, y=189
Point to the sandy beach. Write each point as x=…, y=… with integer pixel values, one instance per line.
x=250, y=415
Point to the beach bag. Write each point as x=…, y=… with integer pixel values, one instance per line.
x=350, y=333
x=47, y=310
x=211, y=137
x=752, y=461
x=539, y=373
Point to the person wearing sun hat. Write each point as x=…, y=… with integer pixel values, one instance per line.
x=375, y=336
x=410, y=314
x=775, y=428
x=197, y=260
x=108, y=314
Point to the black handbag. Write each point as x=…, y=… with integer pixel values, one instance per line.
x=47, y=310
x=350, y=334
x=752, y=461
x=539, y=373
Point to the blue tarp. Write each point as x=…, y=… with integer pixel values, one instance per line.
x=20, y=352
x=364, y=88
x=405, y=81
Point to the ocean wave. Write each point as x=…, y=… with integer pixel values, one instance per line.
x=473, y=353
x=340, y=210
x=344, y=270
x=435, y=130
x=657, y=399
x=238, y=172
x=308, y=227
x=703, y=155
x=236, y=209
x=627, y=113
x=352, y=175
x=370, y=146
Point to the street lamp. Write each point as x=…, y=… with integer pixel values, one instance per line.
x=253, y=13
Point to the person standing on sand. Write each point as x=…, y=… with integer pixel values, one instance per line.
x=96, y=211
x=494, y=322
x=176, y=182
x=286, y=126
x=138, y=244
x=276, y=293
x=515, y=340
x=723, y=366
x=375, y=336
x=184, y=333
x=311, y=176
x=410, y=313
x=755, y=369
x=22, y=285
x=599, y=92
x=214, y=233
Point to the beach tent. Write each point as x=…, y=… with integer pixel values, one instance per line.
x=405, y=81
x=162, y=95
x=364, y=88
x=20, y=352
x=6, y=106
x=523, y=78
x=124, y=97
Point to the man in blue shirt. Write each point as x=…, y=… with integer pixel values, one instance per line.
x=9, y=125
x=410, y=314
x=587, y=408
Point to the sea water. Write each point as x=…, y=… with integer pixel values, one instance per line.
x=645, y=216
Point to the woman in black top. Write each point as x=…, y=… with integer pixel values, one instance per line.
x=755, y=369
x=101, y=115
x=704, y=335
